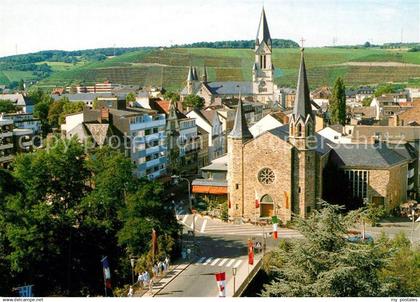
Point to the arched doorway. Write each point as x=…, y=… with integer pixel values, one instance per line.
x=267, y=206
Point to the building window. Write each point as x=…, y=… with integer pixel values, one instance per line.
x=266, y=176
x=359, y=180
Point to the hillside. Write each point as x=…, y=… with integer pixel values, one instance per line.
x=168, y=66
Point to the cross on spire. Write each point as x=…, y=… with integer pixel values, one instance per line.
x=301, y=42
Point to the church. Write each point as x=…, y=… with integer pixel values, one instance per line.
x=281, y=169
x=261, y=88
x=284, y=171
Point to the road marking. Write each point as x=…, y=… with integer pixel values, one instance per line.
x=208, y=261
x=185, y=219
x=201, y=259
x=238, y=263
x=215, y=261
x=223, y=261
x=230, y=263
x=203, y=227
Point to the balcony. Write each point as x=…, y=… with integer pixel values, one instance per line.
x=6, y=146
x=6, y=134
x=7, y=158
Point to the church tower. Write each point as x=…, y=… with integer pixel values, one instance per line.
x=239, y=135
x=263, y=69
x=301, y=136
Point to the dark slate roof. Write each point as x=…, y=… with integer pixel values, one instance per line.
x=302, y=105
x=240, y=128
x=337, y=127
x=195, y=74
x=263, y=33
x=231, y=87
x=374, y=156
x=323, y=145
x=406, y=150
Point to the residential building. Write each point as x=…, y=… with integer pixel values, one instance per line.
x=25, y=121
x=209, y=121
x=203, y=150
x=105, y=87
x=212, y=187
x=22, y=102
x=6, y=141
x=336, y=134
x=139, y=133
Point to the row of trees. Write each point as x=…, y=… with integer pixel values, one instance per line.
x=190, y=101
x=276, y=43
x=62, y=209
x=326, y=264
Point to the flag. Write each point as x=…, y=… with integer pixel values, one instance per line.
x=221, y=283
x=250, y=252
x=107, y=272
x=154, y=243
x=257, y=200
x=275, y=222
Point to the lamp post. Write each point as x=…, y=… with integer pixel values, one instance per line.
x=234, y=280
x=132, y=270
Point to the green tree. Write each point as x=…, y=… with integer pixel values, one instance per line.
x=193, y=101
x=324, y=263
x=387, y=88
x=69, y=108
x=54, y=113
x=173, y=96
x=402, y=272
x=366, y=101
x=130, y=98
x=7, y=106
x=41, y=111
x=338, y=103
x=144, y=212
x=21, y=85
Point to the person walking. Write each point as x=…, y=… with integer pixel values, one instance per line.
x=167, y=261
x=140, y=280
x=130, y=292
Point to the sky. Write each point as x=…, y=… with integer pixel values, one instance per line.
x=34, y=25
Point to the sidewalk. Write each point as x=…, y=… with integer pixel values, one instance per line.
x=160, y=282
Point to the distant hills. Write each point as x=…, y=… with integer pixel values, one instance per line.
x=226, y=60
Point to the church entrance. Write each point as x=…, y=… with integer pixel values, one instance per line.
x=267, y=206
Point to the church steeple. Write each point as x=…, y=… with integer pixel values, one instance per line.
x=263, y=33
x=302, y=106
x=190, y=76
x=240, y=128
x=302, y=122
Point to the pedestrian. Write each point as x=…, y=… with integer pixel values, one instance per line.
x=140, y=280
x=155, y=270
x=130, y=292
x=167, y=261
x=146, y=278
x=164, y=266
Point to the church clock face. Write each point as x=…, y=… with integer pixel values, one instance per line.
x=266, y=176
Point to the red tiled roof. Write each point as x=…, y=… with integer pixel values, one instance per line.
x=164, y=105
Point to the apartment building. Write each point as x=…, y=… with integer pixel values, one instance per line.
x=6, y=141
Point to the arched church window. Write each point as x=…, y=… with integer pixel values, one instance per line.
x=266, y=176
x=299, y=130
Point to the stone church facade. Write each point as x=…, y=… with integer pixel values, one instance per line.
x=261, y=88
x=280, y=169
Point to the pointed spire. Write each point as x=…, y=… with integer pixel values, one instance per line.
x=195, y=74
x=204, y=77
x=302, y=106
x=190, y=77
x=240, y=128
x=263, y=33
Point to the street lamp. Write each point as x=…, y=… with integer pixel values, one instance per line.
x=132, y=270
x=234, y=280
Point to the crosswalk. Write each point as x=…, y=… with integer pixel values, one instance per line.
x=225, y=262
x=205, y=225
